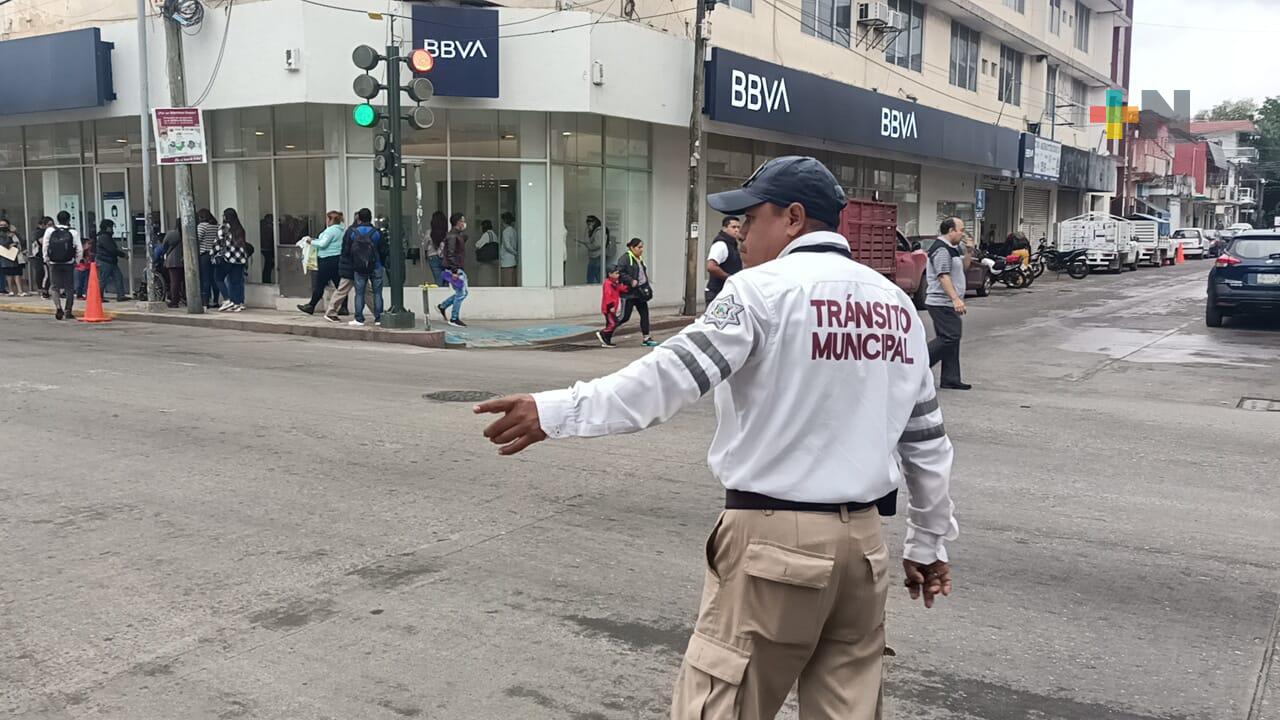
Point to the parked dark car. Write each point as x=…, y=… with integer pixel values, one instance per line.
x=977, y=277
x=1245, y=278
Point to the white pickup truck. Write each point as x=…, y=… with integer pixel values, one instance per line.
x=1152, y=249
x=1109, y=240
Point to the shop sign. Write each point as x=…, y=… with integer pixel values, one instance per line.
x=464, y=43
x=1041, y=158
x=179, y=136
x=746, y=91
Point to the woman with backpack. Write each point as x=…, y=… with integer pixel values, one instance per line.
x=232, y=255
x=635, y=275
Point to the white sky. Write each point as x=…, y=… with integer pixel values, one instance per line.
x=1220, y=49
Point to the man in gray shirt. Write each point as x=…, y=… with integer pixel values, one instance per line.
x=944, y=299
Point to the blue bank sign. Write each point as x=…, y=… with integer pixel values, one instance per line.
x=745, y=91
x=464, y=43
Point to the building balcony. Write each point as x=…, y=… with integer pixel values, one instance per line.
x=1244, y=195
x=1241, y=154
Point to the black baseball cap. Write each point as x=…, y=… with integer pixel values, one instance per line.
x=785, y=180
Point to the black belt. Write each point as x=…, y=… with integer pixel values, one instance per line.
x=744, y=500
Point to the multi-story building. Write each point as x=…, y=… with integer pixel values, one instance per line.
x=548, y=116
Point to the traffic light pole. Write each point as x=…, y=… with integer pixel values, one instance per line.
x=396, y=317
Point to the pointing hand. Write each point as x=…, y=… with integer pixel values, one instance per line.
x=518, y=428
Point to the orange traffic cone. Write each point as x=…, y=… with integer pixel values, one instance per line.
x=1178, y=256
x=93, y=299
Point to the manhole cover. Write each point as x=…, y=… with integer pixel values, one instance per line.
x=565, y=347
x=1259, y=404
x=467, y=396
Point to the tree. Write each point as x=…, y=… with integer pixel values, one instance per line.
x=1243, y=109
x=1267, y=141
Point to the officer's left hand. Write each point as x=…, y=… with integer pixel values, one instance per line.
x=929, y=580
x=518, y=428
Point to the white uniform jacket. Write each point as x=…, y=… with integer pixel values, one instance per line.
x=821, y=371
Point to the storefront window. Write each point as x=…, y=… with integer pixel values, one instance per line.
x=242, y=132
x=59, y=144
x=11, y=203
x=485, y=192
x=168, y=181
x=576, y=137
x=11, y=147
x=418, y=143
x=246, y=187
x=303, y=204
x=425, y=196
x=497, y=134
x=118, y=141
x=302, y=129
x=577, y=217
x=729, y=157
x=50, y=191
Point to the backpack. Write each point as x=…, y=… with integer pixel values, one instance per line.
x=487, y=252
x=364, y=254
x=62, y=246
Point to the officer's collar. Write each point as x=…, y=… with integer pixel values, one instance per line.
x=820, y=237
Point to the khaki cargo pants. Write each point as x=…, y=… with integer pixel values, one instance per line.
x=789, y=597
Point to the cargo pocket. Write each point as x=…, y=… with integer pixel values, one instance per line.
x=783, y=598
x=709, y=680
x=878, y=560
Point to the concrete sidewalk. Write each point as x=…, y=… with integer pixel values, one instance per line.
x=482, y=334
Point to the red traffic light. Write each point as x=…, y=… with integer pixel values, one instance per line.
x=421, y=61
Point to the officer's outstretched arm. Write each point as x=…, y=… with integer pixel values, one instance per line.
x=926, y=464
x=678, y=372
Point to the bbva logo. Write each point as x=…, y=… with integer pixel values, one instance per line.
x=897, y=124
x=447, y=49
x=756, y=92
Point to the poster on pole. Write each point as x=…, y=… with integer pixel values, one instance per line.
x=179, y=136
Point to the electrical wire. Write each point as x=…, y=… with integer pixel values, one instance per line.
x=217, y=65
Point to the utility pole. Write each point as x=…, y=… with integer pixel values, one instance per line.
x=182, y=172
x=693, y=204
x=144, y=112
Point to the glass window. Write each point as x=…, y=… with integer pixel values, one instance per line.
x=879, y=174
x=424, y=204
x=907, y=48
x=1083, y=21
x=118, y=140
x=485, y=192
x=617, y=220
x=576, y=199
x=1055, y=17
x=11, y=147
x=964, y=56
x=1010, y=90
x=51, y=191
x=638, y=137
x=1050, y=97
x=12, y=205
x=241, y=132
x=58, y=144
x=1079, y=102
x=848, y=170
x=521, y=135
x=474, y=133
x=576, y=137
x=301, y=129
x=168, y=175
x=617, y=143
x=638, y=213
x=744, y=5
x=1017, y=5
x=729, y=156
x=906, y=177
x=246, y=188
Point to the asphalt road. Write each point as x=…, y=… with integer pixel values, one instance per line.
x=212, y=524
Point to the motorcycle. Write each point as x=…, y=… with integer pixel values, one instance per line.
x=1073, y=262
x=1007, y=270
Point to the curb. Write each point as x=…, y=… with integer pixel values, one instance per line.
x=29, y=310
x=660, y=324
x=418, y=338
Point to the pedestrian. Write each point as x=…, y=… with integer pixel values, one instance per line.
x=107, y=254
x=173, y=265
x=723, y=258
x=487, y=252
x=233, y=255
x=457, y=280
x=82, y=267
x=821, y=382
x=944, y=299
x=635, y=277
x=39, y=272
x=207, y=240
x=610, y=298
x=14, y=264
x=62, y=250
x=346, y=272
x=435, y=245
x=328, y=247
x=365, y=249
x=594, y=246
x=509, y=251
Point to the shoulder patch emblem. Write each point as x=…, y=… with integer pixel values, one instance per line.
x=723, y=312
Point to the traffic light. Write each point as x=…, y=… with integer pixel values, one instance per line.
x=384, y=153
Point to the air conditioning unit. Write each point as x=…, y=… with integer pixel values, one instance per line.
x=875, y=14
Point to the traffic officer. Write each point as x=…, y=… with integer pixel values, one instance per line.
x=821, y=372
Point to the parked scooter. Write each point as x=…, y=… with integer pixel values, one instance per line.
x=1007, y=270
x=1073, y=262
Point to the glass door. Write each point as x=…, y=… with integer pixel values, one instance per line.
x=113, y=204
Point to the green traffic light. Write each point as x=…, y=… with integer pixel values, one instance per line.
x=365, y=115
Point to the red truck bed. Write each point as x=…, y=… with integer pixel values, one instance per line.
x=871, y=229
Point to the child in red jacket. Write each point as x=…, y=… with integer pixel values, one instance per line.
x=610, y=300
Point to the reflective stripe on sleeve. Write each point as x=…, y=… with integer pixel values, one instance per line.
x=924, y=408
x=929, y=433
x=709, y=349
x=691, y=364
